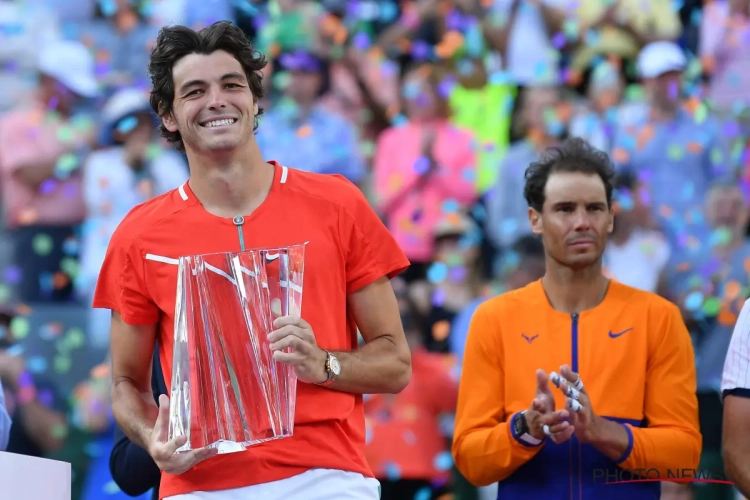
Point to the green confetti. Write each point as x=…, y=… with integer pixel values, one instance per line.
x=19, y=327
x=65, y=134
x=75, y=338
x=42, y=244
x=59, y=431
x=153, y=151
x=62, y=364
x=111, y=488
x=281, y=80
x=675, y=152
x=5, y=293
x=69, y=266
x=66, y=164
x=711, y=306
x=701, y=113
x=716, y=156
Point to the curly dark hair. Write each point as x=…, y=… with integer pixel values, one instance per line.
x=175, y=42
x=573, y=155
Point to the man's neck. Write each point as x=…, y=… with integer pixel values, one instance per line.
x=232, y=184
x=574, y=290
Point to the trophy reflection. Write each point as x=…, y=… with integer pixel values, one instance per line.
x=227, y=391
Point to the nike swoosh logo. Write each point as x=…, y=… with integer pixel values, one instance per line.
x=615, y=335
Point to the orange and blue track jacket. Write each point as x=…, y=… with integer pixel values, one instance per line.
x=635, y=358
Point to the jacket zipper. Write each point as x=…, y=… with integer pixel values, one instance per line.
x=575, y=445
x=238, y=221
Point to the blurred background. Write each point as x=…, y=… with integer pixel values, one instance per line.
x=371, y=90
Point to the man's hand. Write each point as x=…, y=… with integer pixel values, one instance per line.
x=307, y=359
x=582, y=416
x=163, y=451
x=542, y=411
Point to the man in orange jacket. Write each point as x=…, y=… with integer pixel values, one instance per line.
x=622, y=358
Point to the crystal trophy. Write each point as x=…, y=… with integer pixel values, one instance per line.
x=227, y=391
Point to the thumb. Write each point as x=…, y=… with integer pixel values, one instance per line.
x=161, y=427
x=542, y=382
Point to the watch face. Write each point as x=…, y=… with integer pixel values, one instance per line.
x=335, y=366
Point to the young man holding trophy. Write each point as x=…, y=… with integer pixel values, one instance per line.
x=202, y=268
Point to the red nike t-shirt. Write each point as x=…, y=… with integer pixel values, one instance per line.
x=348, y=248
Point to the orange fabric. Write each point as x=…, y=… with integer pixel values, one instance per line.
x=348, y=249
x=403, y=430
x=646, y=373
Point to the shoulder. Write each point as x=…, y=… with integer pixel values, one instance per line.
x=144, y=217
x=329, y=190
x=653, y=305
x=507, y=305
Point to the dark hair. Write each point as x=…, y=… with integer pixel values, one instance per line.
x=574, y=155
x=175, y=42
x=324, y=68
x=625, y=180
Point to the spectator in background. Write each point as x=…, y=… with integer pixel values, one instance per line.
x=422, y=165
x=453, y=280
x=604, y=110
x=41, y=150
x=635, y=255
x=542, y=123
x=405, y=445
x=676, y=152
x=5, y=421
x=38, y=413
x=301, y=134
x=710, y=285
x=724, y=39
x=121, y=39
x=130, y=170
x=26, y=28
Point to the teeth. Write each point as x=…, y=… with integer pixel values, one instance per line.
x=218, y=123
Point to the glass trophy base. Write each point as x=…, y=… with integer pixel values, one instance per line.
x=224, y=446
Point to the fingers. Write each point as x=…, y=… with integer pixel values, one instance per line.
x=288, y=358
x=201, y=454
x=561, y=437
x=572, y=377
x=542, y=382
x=288, y=330
x=573, y=405
x=293, y=342
x=171, y=447
x=161, y=427
x=554, y=418
x=283, y=321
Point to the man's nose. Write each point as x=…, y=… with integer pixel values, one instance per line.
x=216, y=98
x=582, y=219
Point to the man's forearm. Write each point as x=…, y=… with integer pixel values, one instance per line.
x=738, y=467
x=378, y=367
x=610, y=438
x=134, y=411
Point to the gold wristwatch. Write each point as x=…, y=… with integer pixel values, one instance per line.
x=333, y=368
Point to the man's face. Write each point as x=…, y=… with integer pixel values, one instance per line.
x=575, y=219
x=213, y=109
x=726, y=208
x=664, y=90
x=303, y=86
x=538, y=105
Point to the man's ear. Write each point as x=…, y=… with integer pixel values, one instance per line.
x=169, y=122
x=535, y=218
x=255, y=108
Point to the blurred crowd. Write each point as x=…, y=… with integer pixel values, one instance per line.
x=373, y=90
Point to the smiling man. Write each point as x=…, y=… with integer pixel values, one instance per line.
x=622, y=359
x=206, y=87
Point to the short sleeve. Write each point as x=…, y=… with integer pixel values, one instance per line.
x=737, y=364
x=369, y=249
x=121, y=285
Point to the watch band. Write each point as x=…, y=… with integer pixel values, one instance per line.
x=329, y=371
x=524, y=435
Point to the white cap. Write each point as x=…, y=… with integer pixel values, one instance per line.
x=123, y=103
x=71, y=64
x=658, y=58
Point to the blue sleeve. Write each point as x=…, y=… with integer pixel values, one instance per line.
x=4, y=421
x=132, y=468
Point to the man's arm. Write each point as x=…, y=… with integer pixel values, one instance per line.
x=133, y=403
x=383, y=364
x=736, y=390
x=672, y=439
x=484, y=448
